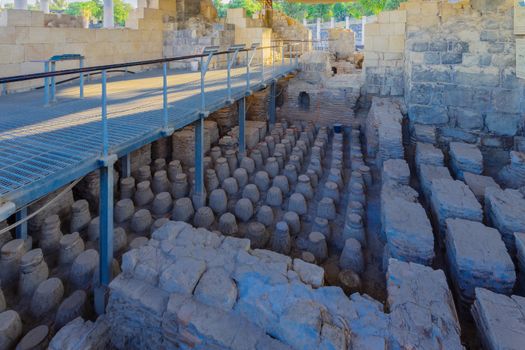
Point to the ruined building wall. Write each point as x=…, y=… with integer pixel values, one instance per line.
x=461, y=77
x=457, y=70
x=25, y=37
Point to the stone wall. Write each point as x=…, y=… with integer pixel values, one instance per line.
x=24, y=38
x=456, y=67
x=384, y=54
x=460, y=77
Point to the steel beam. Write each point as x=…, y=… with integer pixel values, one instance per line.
x=273, y=97
x=21, y=230
x=106, y=236
x=242, y=122
x=125, y=165
x=199, y=195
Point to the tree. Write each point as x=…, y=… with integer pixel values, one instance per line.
x=121, y=11
x=58, y=5
x=94, y=9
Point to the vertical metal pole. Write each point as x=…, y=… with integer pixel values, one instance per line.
x=165, y=95
x=262, y=65
x=199, y=160
x=242, y=122
x=282, y=53
x=290, y=53
x=21, y=230
x=332, y=23
x=105, y=133
x=297, y=57
x=106, y=236
x=81, y=65
x=46, y=84
x=363, y=22
x=347, y=22
x=203, y=74
x=273, y=96
x=229, y=78
x=247, y=71
x=53, y=82
x=125, y=165
x=318, y=30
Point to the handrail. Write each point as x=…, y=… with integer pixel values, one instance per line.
x=26, y=77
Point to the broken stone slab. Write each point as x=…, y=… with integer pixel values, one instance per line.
x=216, y=288
x=422, y=312
x=408, y=232
x=465, y=157
x=396, y=170
x=453, y=200
x=499, y=320
x=478, y=184
x=80, y=334
x=478, y=258
x=426, y=153
x=506, y=211
x=309, y=273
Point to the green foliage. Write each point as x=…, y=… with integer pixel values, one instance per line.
x=58, y=5
x=94, y=9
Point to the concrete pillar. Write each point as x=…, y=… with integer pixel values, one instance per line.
x=332, y=23
x=44, y=6
x=109, y=21
x=347, y=22
x=318, y=29
x=21, y=4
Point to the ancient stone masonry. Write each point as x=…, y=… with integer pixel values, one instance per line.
x=460, y=77
x=489, y=310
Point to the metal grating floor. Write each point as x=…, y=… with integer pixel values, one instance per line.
x=43, y=148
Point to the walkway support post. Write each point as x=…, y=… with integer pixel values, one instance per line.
x=20, y=4
x=21, y=230
x=109, y=20
x=318, y=30
x=233, y=53
x=125, y=165
x=249, y=58
x=242, y=122
x=198, y=195
x=363, y=22
x=105, y=210
x=273, y=98
x=347, y=22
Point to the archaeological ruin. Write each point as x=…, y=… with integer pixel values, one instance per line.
x=205, y=180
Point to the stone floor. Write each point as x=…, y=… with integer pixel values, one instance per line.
x=303, y=243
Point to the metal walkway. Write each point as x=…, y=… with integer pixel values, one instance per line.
x=44, y=148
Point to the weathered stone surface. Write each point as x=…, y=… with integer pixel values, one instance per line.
x=453, y=199
x=506, y=211
x=309, y=273
x=396, y=170
x=421, y=307
x=183, y=276
x=465, y=158
x=478, y=184
x=80, y=334
x=408, y=232
x=217, y=289
x=478, y=258
x=499, y=319
x=428, y=173
x=426, y=153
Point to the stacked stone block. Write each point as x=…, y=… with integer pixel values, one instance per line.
x=421, y=307
x=477, y=257
x=499, y=319
x=506, y=211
